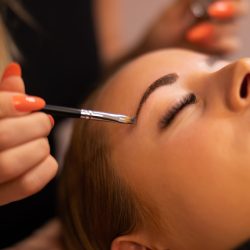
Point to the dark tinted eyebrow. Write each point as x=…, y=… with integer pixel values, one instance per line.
x=163, y=81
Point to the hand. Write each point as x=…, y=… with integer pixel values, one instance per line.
x=47, y=237
x=26, y=165
x=177, y=27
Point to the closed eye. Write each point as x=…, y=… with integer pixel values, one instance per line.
x=171, y=114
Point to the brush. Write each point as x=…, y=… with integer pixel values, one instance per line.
x=88, y=114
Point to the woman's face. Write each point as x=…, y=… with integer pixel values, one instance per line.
x=189, y=153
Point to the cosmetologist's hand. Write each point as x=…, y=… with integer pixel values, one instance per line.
x=48, y=237
x=178, y=27
x=26, y=165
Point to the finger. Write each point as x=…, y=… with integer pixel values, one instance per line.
x=227, y=10
x=20, y=130
x=224, y=46
x=29, y=183
x=211, y=31
x=11, y=79
x=214, y=38
x=47, y=237
x=201, y=33
x=16, y=161
x=52, y=228
x=12, y=104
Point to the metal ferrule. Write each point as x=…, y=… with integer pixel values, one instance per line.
x=103, y=116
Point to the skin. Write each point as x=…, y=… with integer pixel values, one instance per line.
x=195, y=173
x=22, y=173
x=36, y=171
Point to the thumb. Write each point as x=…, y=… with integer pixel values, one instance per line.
x=11, y=80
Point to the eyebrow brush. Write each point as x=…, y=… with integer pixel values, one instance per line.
x=87, y=114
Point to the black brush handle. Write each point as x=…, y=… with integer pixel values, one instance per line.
x=62, y=111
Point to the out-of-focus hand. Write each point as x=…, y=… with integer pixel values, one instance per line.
x=46, y=238
x=26, y=165
x=177, y=27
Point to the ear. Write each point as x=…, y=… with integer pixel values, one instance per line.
x=120, y=244
x=129, y=242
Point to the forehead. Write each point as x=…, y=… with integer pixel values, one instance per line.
x=123, y=91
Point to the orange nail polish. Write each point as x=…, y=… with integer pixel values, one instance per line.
x=200, y=33
x=28, y=103
x=52, y=121
x=222, y=10
x=13, y=69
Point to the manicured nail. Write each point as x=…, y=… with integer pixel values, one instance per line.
x=52, y=121
x=200, y=33
x=13, y=69
x=25, y=103
x=222, y=10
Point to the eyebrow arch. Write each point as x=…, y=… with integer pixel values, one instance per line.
x=163, y=81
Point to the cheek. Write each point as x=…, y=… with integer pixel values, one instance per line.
x=206, y=179
x=194, y=177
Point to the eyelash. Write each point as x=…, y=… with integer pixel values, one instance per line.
x=173, y=112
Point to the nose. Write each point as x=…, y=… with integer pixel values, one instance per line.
x=230, y=86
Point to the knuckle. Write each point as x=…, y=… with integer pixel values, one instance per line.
x=33, y=182
x=2, y=112
x=6, y=167
x=6, y=108
x=44, y=123
x=53, y=165
x=41, y=124
x=30, y=184
x=43, y=146
x=5, y=136
x=50, y=167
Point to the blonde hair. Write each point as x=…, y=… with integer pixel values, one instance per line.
x=8, y=49
x=5, y=46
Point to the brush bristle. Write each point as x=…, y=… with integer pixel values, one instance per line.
x=133, y=120
x=130, y=120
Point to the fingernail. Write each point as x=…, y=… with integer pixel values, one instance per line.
x=52, y=121
x=222, y=10
x=25, y=103
x=13, y=69
x=200, y=33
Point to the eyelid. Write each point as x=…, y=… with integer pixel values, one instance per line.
x=173, y=111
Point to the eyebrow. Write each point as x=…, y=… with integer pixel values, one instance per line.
x=163, y=81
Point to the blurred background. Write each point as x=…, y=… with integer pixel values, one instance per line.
x=133, y=24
